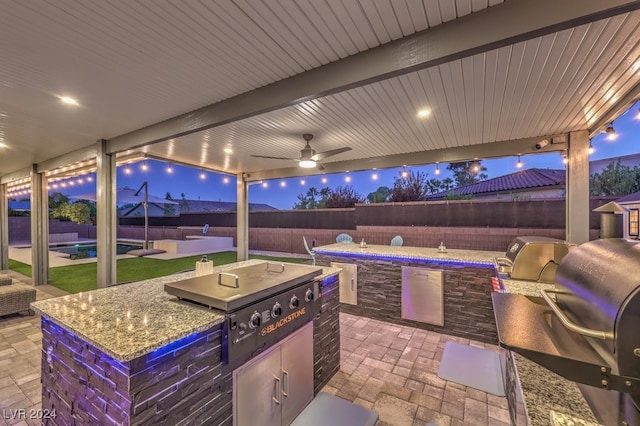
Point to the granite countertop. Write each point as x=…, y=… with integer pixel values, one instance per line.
x=549, y=399
x=131, y=320
x=479, y=257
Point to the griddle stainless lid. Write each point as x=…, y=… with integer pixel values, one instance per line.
x=236, y=288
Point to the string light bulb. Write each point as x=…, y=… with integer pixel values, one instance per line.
x=519, y=164
x=225, y=179
x=283, y=183
x=374, y=176
x=611, y=132
x=302, y=182
x=203, y=176
x=127, y=170
x=144, y=167
x=638, y=115
x=265, y=184
x=404, y=172
x=590, y=150
x=347, y=178
x=170, y=169
x=437, y=169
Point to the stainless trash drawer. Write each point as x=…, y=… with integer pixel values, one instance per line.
x=422, y=295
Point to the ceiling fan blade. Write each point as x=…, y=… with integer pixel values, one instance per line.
x=319, y=166
x=275, y=158
x=326, y=154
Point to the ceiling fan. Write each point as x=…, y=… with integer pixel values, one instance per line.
x=308, y=156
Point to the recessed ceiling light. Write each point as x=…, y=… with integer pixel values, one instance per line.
x=424, y=113
x=228, y=150
x=68, y=100
x=3, y=145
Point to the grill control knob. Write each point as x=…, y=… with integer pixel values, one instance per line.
x=276, y=311
x=242, y=327
x=308, y=296
x=255, y=320
x=294, y=302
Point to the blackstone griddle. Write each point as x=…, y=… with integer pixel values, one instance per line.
x=236, y=288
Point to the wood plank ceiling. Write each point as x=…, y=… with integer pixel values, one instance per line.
x=133, y=64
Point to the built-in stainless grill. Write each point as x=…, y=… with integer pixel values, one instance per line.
x=588, y=328
x=262, y=303
x=533, y=258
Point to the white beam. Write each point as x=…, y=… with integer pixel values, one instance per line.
x=523, y=147
x=107, y=218
x=39, y=228
x=242, y=219
x=489, y=29
x=4, y=228
x=577, y=198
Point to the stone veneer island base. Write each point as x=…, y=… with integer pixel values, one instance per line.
x=132, y=354
x=468, y=282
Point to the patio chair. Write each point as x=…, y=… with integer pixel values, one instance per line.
x=344, y=238
x=311, y=253
x=396, y=241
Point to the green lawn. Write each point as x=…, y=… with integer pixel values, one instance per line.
x=82, y=277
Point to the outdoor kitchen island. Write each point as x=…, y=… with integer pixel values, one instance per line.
x=463, y=282
x=134, y=354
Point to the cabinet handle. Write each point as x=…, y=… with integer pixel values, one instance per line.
x=276, y=386
x=285, y=383
x=351, y=284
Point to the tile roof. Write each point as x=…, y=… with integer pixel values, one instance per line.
x=635, y=197
x=523, y=179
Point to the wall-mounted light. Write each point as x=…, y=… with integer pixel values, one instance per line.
x=437, y=169
x=611, y=132
x=519, y=164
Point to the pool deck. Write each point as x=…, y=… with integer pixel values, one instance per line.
x=22, y=253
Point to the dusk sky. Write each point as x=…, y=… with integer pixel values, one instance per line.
x=187, y=180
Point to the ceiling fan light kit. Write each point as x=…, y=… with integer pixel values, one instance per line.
x=308, y=157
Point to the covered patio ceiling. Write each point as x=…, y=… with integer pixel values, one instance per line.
x=211, y=84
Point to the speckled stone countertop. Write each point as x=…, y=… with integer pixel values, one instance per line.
x=131, y=320
x=477, y=257
x=549, y=399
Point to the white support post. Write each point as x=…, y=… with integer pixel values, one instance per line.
x=107, y=219
x=242, y=218
x=39, y=228
x=4, y=228
x=577, y=199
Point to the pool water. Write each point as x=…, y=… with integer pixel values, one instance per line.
x=85, y=251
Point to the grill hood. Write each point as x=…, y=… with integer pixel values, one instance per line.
x=588, y=329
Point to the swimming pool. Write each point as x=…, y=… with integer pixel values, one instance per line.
x=85, y=251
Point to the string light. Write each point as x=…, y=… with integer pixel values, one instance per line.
x=324, y=179
x=437, y=169
x=170, y=169
x=225, y=179
x=265, y=184
x=283, y=183
x=591, y=150
x=519, y=164
x=127, y=170
x=374, y=176
x=565, y=156
x=347, y=178
x=638, y=115
x=404, y=172
x=144, y=167
x=611, y=132
x=302, y=182
x=203, y=176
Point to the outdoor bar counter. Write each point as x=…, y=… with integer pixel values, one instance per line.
x=536, y=395
x=133, y=354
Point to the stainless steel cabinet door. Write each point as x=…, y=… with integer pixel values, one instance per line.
x=422, y=295
x=348, y=282
x=297, y=373
x=257, y=391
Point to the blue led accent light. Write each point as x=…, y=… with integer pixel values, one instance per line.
x=407, y=258
x=176, y=345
